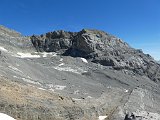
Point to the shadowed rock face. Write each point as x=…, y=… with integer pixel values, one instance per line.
x=86, y=75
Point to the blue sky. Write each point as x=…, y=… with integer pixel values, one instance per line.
x=135, y=21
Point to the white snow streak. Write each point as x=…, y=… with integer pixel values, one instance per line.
x=3, y=49
x=35, y=55
x=59, y=87
x=30, y=81
x=89, y=97
x=15, y=69
x=69, y=69
x=61, y=60
x=41, y=89
x=5, y=117
x=84, y=60
x=45, y=54
x=102, y=117
x=61, y=64
x=125, y=90
x=76, y=99
x=56, y=87
x=27, y=55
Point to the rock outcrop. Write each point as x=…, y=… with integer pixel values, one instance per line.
x=99, y=47
x=53, y=41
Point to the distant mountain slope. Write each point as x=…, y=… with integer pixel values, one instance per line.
x=86, y=75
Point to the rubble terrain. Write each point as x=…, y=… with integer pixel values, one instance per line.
x=86, y=75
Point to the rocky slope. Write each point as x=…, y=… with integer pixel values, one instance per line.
x=86, y=75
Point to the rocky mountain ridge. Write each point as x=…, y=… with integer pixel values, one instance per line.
x=99, y=47
x=86, y=75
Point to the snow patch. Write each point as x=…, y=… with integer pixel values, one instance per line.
x=59, y=87
x=30, y=81
x=76, y=99
x=35, y=54
x=56, y=87
x=27, y=55
x=102, y=117
x=5, y=117
x=89, y=97
x=61, y=64
x=15, y=77
x=61, y=60
x=45, y=54
x=29, y=77
x=84, y=60
x=41, y=89
x=3, y=49
x=125, y=90
x=69, y=69
x=14, y=68
x=50, y=85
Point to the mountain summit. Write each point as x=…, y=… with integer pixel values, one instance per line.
x=86, y=75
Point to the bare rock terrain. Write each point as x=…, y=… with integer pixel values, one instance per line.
x=86, y=75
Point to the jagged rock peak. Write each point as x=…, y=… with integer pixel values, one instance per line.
x=86, y=40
